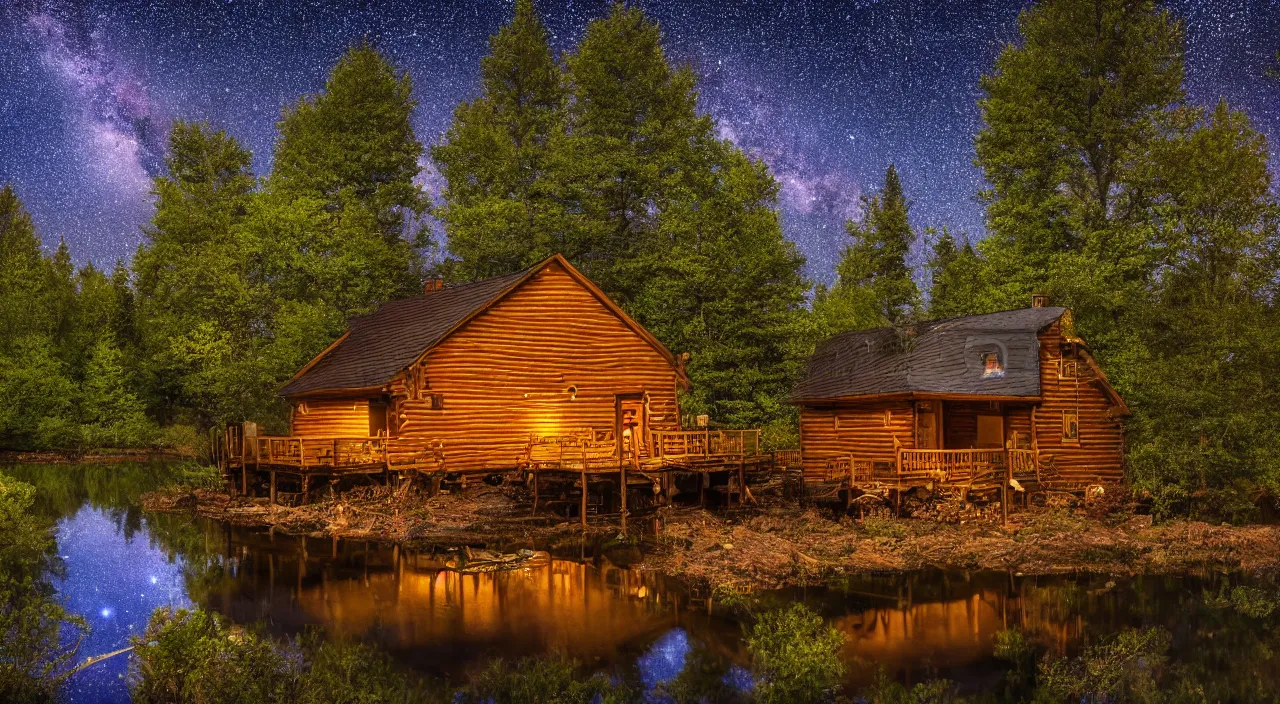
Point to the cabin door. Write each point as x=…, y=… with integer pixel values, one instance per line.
x=377, y=418
x=632, y=429
x=928, y=425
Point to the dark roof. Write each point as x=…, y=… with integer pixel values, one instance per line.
x=935, y=357
x=382, y=343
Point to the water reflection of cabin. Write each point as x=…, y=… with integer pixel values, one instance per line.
x=537, y=370
x=961, y=402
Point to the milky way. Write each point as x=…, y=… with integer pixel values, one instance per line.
x=828, y=94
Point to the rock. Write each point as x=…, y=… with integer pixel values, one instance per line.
x=727, y=546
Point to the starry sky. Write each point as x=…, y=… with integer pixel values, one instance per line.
x=827, y=93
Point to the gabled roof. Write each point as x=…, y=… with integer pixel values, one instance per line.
x=381, y=344
x=941, y=357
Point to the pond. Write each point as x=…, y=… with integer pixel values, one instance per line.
x=121, y=564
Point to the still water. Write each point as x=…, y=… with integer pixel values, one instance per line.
x=121, y=564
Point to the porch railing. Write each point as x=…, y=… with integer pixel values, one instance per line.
x=964, y=465
x=675, y=444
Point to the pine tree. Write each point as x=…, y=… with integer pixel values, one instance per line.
x=110, y=413
x=956, y=272
x=201, y=301
x=1204, y=379
x=632, y=148
x=1069, y=116
x=335, y=215
x=874, y=285
x=22, y=273
x=499, y=211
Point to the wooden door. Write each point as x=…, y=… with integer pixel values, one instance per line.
x=377, y=418
x=990, y=431
x=928, y=427
x=632, y=429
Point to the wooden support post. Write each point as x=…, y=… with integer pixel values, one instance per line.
x=702, y=488
x=622, y=487
x=1004, y=493
x=583, y=508
x=244, y=478
x=273, y=487
x=535, y=493
x=742, y=482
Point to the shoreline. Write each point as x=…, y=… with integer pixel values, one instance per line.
x=773, y=545
x=99, y=456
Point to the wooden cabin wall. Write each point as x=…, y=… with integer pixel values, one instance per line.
x=960, y=421
x=865, y=431
x=1098, y=455
x=331, y=418
x=507, y=373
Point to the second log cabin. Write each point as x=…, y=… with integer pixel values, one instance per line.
x=477, y=370
x=944, y=401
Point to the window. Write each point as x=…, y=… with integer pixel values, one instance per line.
x=1070, y=426
x=1066, y=369
x=437, y=401
x=992, y=367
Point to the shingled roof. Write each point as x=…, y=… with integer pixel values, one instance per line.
x=383, y=343
x=937, y=357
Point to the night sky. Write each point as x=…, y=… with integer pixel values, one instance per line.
x=827, y=93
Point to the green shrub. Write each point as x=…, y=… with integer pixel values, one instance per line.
x=796, y=656
x=195, y=656
x=886, y=690
x=547, y=680
x=1126, y=668
x=346, y=672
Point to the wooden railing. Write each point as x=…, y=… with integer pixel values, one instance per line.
x=964, y=465
x=315, y=452
x=676, y=444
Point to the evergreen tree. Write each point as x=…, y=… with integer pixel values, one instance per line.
x=22, y=273
x=1069, y=116
x=201, y=307
x=874, y=285
x=956, y=273
x=1203, y=374
x=500, y=212
x=111, y=415
x=632, y=150
x=334, y=217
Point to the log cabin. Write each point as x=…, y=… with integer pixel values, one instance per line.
x=480, y=370
x=951, y=401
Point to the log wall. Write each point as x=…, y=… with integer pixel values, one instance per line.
x=549, y=359
x=331, y=418
x=864, y=430
x=1098, y=455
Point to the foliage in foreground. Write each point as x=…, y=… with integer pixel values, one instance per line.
x=38, y=638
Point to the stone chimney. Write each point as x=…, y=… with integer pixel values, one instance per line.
x=1039, y=300
x=432, y=285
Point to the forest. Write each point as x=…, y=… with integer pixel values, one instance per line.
x=1108, y=190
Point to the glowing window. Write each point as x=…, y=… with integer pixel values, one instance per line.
x=992, y=367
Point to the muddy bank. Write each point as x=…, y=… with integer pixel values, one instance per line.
x=481, y=516
x=771, y=545
x=786, y=545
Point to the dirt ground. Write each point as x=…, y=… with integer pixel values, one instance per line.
x=774, y=543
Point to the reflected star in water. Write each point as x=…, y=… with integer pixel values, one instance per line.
x=119, y=581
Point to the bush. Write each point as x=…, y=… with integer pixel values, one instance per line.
x=796, y=656
x=195, y=656
x=887, y=690
x=549, y=680
x=1125, y=669
x=346, y=672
